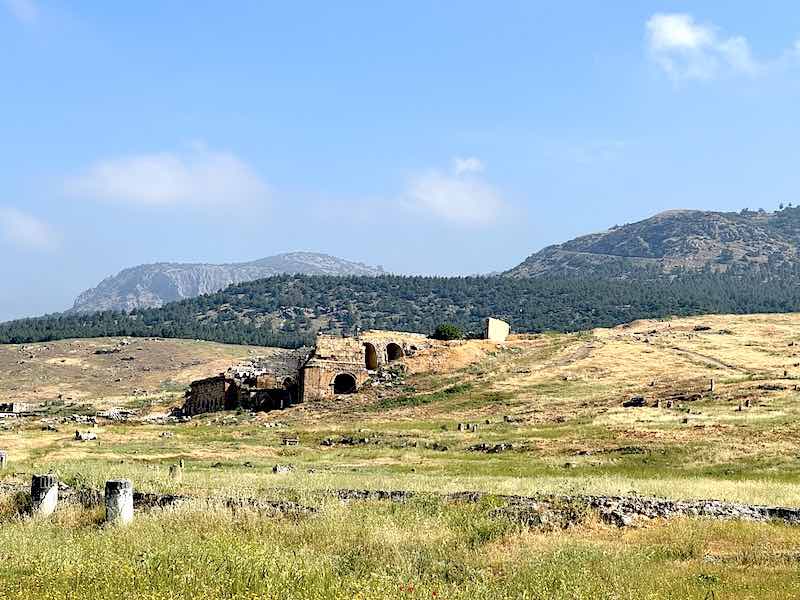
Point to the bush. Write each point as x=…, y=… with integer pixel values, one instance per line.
x=448, y=331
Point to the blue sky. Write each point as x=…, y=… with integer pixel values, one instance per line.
x=428, y=137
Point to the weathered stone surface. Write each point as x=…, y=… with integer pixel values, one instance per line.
x=119, y=501
x=496, y=330
x=635, y=402
x=44, y=494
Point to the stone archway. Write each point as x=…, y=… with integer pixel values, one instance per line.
x=370, y=357
x=394, y=352
x=344, y=383
x=291, y=388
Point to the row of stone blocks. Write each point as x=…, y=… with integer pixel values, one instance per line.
x=118, y=497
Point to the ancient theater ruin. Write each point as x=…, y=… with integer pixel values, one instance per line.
x=336, y=366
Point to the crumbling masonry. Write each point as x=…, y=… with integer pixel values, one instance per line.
x=334, y=366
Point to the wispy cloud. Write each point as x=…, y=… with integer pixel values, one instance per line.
x=467, y=165
x=25, y=11
x=457, y=196
x=196, y=178
x=25, y=231
x=686, y=49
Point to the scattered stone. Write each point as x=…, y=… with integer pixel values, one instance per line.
x=771, y=387
x=282, y=469
x=118, y=414
x=616, y=517
x=166, y=434
x=81, y=419
x=635, y=402
x=84, y=436
x=491, y=448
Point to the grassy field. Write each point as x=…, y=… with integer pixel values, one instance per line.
x=563, y=398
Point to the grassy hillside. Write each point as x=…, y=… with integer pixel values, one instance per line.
x=569, y=433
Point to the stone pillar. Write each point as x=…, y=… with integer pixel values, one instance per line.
x=175, y=472
x=119, y=501
x=3, y=459
x=44, y=494
x=711, y=386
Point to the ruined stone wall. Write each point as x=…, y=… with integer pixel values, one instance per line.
x=319, y=377
x=357, y=356
x=206, y=395
x=15, y=407
x=283, y=377
x=273, y=368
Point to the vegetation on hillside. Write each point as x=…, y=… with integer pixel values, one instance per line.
x=674, y=241
x=287, y=311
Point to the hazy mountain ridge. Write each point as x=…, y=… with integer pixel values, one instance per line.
x=153, y=285
x=675, y=240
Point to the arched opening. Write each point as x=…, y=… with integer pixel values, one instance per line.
x=290, y=385
x=394, y=352
x=370, y=357
x=344, y=383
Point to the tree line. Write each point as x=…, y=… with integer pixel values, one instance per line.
x=288, y=310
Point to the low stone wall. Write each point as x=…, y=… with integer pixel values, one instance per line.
x=533, y=511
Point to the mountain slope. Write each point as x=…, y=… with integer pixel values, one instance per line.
x=154, y=285
x=674, y=241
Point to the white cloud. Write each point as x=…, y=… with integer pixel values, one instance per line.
x=26, y=231
x=197, y=178
x=459, y=196
x=685, y=49
x=25, y=10
x=467, y=165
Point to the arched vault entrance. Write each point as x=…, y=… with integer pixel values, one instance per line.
x=394, y=352
x=370, y=357
x=344, y=383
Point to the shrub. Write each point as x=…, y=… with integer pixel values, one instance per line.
x=448, y=331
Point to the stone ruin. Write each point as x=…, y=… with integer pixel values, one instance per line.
x=335, y=366
x=339, y=366
x=496, y=330
x=263, y=383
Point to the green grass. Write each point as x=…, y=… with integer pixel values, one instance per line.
x=374, y=550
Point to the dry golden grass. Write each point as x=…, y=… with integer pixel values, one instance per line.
x=571, y=435
x=70, y=368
